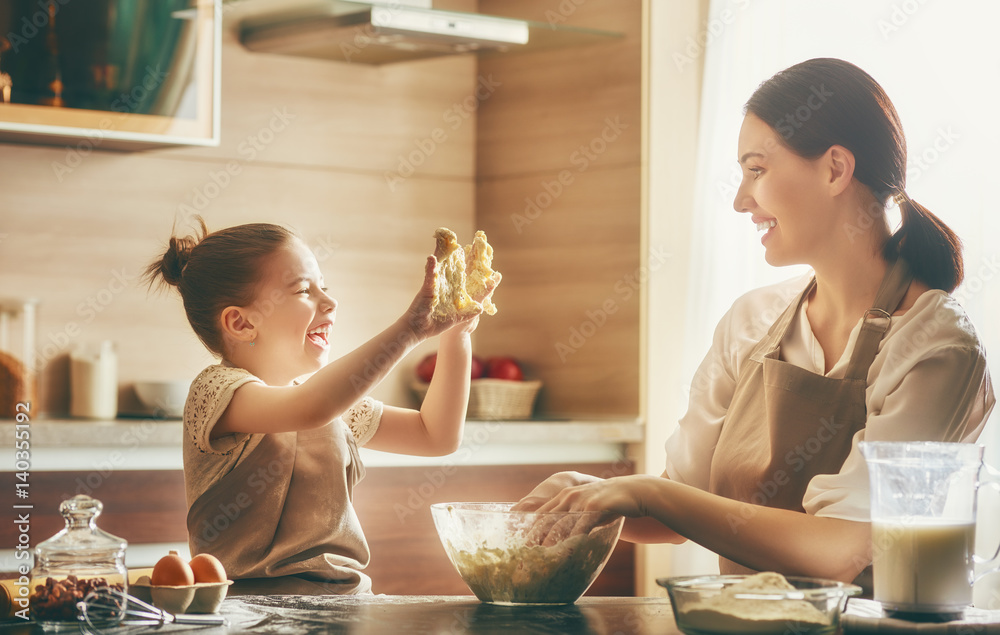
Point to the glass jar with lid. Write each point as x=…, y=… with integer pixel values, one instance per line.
x=75, y=561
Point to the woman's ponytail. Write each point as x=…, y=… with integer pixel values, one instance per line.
x=929, y=247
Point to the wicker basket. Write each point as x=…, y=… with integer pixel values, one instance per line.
x=495, y=398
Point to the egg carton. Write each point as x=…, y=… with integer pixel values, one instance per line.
x=204, y=597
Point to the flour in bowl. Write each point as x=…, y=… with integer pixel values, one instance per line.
x=726, y=613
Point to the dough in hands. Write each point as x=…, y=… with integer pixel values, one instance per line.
x=462, y=286
x=479, y=273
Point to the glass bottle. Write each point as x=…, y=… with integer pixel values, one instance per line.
x=75, y=561
x=18, y=361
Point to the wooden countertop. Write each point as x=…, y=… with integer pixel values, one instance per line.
x=455, y=615
x=466, y=615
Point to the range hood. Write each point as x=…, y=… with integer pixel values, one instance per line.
x=387, y=31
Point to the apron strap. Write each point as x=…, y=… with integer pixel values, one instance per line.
x=772, y=341
x=878, y=318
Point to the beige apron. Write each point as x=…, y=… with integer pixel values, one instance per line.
x=285, y=514
x=785, y=424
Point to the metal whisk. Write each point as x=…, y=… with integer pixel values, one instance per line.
x=108, y=607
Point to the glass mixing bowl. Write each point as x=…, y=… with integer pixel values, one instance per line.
x=725, y=605
x=510, y=558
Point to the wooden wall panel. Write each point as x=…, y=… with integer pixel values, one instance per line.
x=559, y=196
x=346, y=116
x=551, y=103
x=575, y=265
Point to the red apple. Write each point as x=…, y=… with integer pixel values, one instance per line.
x=425, y=369
x=477, y=367
x=504, y=368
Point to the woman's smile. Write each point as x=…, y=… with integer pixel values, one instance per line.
x=766, y=225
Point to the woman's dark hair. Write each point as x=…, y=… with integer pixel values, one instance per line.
x=824, y=102
x=215, y=270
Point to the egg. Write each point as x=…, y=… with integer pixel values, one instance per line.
x=207, y=568
x=172, y=570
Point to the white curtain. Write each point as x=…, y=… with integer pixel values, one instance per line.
x=940, y=64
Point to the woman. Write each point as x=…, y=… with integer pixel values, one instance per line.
x=764, y=469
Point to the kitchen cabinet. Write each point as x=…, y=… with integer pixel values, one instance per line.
x=110, y=75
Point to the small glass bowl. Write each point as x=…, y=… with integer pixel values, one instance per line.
x=706, y=605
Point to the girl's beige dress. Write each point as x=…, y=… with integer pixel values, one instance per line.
x=276, y=508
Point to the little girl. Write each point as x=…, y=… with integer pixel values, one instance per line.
x=270, y=463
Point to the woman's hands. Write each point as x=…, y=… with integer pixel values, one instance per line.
x=573, y=491
x=576, y=492
x=550, y=488
x=619, y=496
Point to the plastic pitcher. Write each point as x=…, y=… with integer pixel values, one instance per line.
x=923, y=511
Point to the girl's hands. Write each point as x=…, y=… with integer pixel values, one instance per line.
x=419, y=317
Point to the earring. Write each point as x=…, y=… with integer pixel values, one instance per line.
x=251, y=341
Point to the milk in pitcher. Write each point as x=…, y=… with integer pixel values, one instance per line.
x=922, y=565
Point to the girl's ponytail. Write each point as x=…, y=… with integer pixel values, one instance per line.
x=215, y=271
x=930, y=248
x=169, y=268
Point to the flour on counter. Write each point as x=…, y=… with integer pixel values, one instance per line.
x=725, y=613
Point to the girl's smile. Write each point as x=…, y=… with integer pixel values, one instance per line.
x=320, y=335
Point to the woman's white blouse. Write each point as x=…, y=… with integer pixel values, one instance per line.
x=929, y=382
